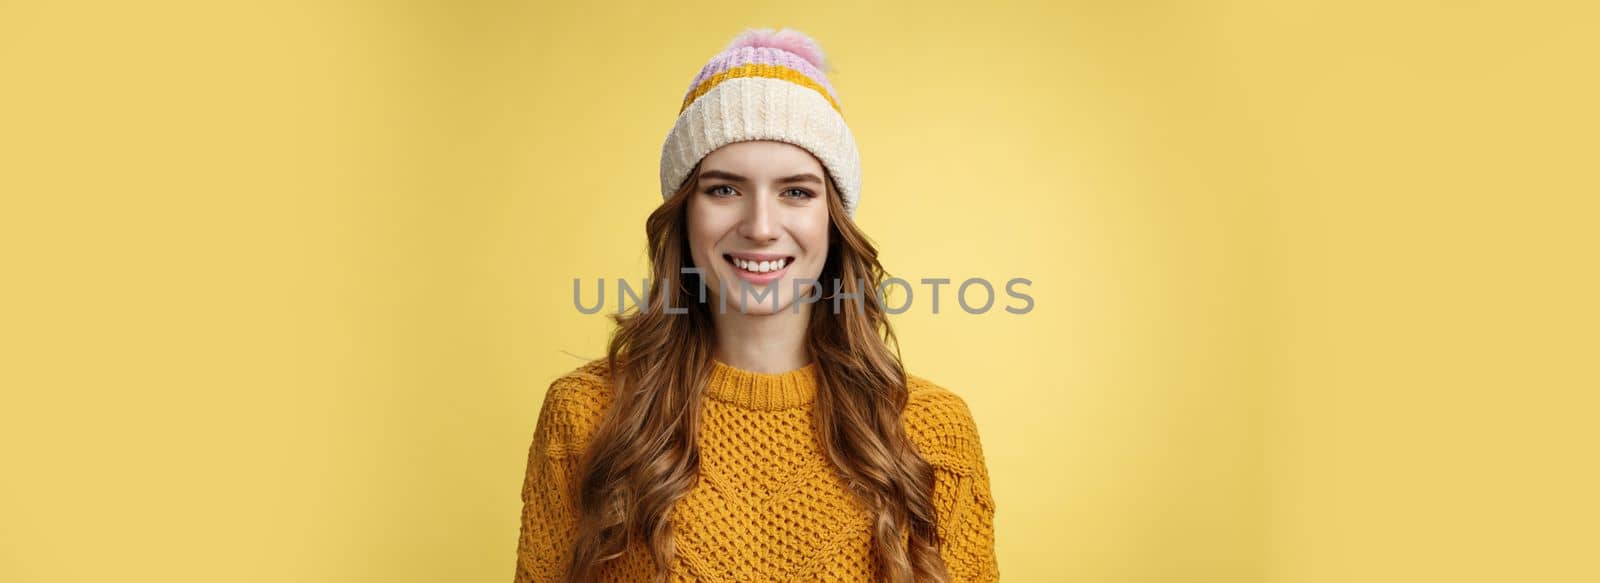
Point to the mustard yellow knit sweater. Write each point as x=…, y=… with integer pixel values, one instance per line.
x=767, y=505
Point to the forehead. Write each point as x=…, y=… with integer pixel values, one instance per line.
x=762, y=158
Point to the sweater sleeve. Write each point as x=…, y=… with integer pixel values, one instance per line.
x=966, y=527
x=942, y=427
x=550, y=486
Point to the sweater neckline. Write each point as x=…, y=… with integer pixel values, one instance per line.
x=762, y=391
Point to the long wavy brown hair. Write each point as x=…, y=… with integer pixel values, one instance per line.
x=643, y=456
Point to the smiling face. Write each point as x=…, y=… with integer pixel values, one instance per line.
x=758, y=218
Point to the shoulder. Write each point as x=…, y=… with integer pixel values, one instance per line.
x=941, y=425
x=573, y=406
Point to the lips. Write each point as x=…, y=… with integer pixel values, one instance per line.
x=759, y=268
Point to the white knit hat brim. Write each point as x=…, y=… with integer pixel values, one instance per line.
x=759, y=108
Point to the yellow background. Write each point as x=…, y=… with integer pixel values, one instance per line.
x=284, y=282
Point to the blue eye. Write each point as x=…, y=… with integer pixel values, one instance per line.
x=713, y=191
x=803, y=193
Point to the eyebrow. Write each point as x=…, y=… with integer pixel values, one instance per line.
x=806, y=177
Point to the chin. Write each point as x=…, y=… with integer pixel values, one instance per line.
x=779, y=298
x=763, y=307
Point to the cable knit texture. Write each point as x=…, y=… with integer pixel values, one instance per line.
x=767, y=505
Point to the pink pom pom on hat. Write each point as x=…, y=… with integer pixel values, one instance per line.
x=765, y=85
x=793, y=41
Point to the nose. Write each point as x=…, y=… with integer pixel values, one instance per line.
x=759, y=223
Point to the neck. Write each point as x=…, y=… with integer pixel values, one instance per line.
x=764, y=343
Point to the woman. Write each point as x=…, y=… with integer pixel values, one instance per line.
x=750, y=421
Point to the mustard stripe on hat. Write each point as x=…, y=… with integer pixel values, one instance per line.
x=779, y=72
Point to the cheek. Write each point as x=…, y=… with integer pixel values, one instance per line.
x=702, y=236
x=698, y=246
x=813, y=238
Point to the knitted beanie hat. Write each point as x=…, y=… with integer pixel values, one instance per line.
x=767, y=85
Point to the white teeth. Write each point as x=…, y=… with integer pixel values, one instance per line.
x=760, y=266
